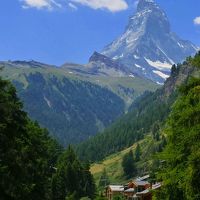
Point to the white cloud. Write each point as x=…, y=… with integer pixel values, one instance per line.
x=40, y=4
x=71, y=5
x=117, y=5
x=197, y=21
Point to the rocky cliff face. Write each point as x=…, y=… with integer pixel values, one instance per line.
x=102, y=65
x=148, y=47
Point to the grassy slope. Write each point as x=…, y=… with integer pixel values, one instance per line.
x=127, y=88
x=148, y=145
x=112, y=163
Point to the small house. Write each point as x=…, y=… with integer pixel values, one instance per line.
x=140, y=186
x=114, y=190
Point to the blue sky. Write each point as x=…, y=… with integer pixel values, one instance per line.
x=59, y=31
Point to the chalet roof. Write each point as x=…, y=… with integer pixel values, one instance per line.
x=156, y=186
x=141, y=183
x=117, y=188
x=129, y=190
x=143, y=178
x=143, y=192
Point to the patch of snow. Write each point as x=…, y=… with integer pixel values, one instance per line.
x=138, y=66
x=70, y=72
x=131, y=75
x=171, y=61
x=161, y=74
x=180, y=45
x=142, y=13
x=159, y=65
x=48, y=102
x=196, y=48
x=136, y=57
x=159, y=83
x=117, y=57
x=131, y=40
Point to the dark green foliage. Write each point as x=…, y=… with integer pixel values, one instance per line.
x=72, y=110
x=182, y=153
x=155, y=131
x=196, y=60
x=174, y=70
x=130, y=128
x=72, y=179
x=104, y=179
x=28, y=157
x=100, y=198
x=147, y=114
x=118, y=198
x=137, y=153
x=26, y=151
x=128, y=164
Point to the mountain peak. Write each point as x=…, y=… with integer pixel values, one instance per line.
x=142, y=4
x=101, y=63
x=97, y=57
x=148, y=47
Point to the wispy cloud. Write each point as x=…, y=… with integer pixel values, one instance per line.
x=40, y=4
x=117, y=5
x=197, y=21
x=72, y=6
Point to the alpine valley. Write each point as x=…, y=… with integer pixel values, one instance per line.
x=123, y=126
x=75, y=101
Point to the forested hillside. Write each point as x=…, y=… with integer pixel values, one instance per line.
x=149, y=110
x=32, y=165
x=72, y=107
x=180, y=172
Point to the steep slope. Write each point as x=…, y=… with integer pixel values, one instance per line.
x=148, y=47
x=147, y=111
x=180, y=171
x=73, y=107
x=106, y=72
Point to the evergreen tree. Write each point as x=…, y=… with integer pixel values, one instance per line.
x=104, y=179
x=182, y=154
x=26, y=151
x=128, y=164
x=28, y=158
x=173, y=70
x=155, y=131
x=72, y=179
x=137, y=153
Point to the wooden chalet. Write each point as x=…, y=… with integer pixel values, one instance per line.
x=138, y=189
x=114, y=190
x=146, y=194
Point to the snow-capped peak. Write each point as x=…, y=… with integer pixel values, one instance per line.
x=148, y=42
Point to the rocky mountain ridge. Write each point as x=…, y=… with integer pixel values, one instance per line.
x=148, y=47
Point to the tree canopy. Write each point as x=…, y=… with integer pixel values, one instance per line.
x=29, y=164
x=181, y=172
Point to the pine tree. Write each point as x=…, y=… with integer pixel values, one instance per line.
x=72, y=179
x=137, y=153
x=182, y=154
x=128, y=164
x=26, y=151
x=104, y=179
